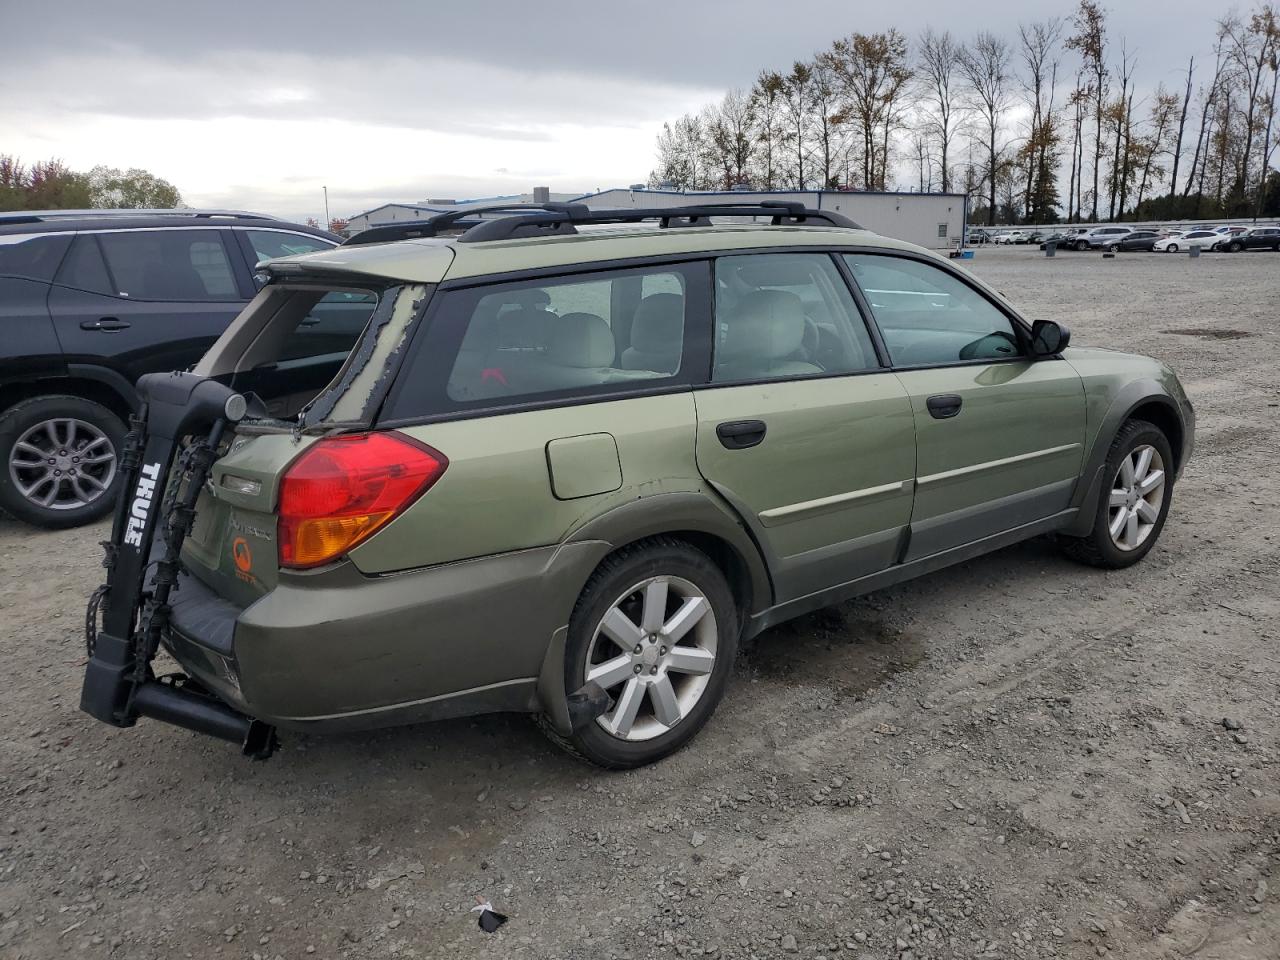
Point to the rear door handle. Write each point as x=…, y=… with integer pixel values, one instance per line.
x=740, y=434
x=106, y=323
x=944, y=406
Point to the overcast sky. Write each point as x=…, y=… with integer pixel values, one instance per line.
x=258, y=105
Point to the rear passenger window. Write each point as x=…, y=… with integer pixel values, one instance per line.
x=610, y=331
x=33, y=256
x=269, y=244
x=786, y=315
x=83, y=269
x=927, y=316
x=182, y=265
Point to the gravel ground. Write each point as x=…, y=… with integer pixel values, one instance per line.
x=1017, y=757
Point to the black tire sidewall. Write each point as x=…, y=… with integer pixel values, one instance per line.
x=21, y=417
x=662, y=558
x=1134, y=434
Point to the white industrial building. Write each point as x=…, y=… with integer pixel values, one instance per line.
x=934, y=220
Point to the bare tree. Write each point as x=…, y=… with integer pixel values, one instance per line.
x=827, y=126
x=1090, y=41
x=985, y=67
x=1210, y=96
x=874, y=72
x=1156, y=143
x=938, y=63
x=797, y=102
x=1182, y=125
x=1038, y=43
x=730, y=130
x=1251, y=48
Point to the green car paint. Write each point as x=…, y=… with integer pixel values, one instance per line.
x=460, y=604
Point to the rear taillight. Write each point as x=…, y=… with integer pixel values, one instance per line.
x=342, y=489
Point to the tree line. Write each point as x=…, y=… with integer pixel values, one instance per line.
x=1038, y=127
x=52, y=185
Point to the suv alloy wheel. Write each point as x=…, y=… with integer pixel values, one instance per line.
x=657, y=628
x=60, y=460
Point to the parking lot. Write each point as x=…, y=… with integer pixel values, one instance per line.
x=1017, y=757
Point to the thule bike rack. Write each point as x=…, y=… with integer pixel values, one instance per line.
x=119, y=684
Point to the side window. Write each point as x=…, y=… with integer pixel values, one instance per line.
x=549, y=336
x=786, y=315
x=332, y=326
x=188, y=265
x=269, y=244
x=83, y=269
x=928, y=316
x=33, y=256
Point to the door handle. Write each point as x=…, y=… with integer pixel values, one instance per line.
x=106, y=323
x=740, y=434
x=944, y=406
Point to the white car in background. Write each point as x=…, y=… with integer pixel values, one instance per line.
x=1203, y=239
x=1013, y=236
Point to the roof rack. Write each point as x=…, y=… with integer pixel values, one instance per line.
x=554, y=219
x=39, y=216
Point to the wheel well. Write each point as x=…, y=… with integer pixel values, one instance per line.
x=722, y=553
x=11, y=393
x=1167, y=420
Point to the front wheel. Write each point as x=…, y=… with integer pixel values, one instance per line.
x=1235, y=247
x=61, y=457
x=1082, y=245
x=657, y=628
x=1133, y=507
x=1114, y=248
x=1172, y=248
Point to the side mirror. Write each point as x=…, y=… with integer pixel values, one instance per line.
x=1048, y=338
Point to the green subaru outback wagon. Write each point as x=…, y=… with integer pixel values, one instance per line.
x=565, y=462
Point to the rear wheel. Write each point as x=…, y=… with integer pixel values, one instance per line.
x=657, y=628
x=1133, y=506
x=61, y=457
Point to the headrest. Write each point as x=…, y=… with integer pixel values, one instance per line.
x=766, y=325
x=524, y=328
x=581, y=340
x=658, y=326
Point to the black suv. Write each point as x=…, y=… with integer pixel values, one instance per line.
x=91, y=300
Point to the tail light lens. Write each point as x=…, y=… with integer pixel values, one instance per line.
x=343, y=489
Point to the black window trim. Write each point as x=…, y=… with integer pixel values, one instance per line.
x=430, y=337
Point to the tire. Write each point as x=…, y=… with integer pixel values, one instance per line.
x=1114, y=248
x=1082, y=246
x=1235, y=247
x=1137, y=535
x=87, y=479
x=619, y=587
x=1172, y=248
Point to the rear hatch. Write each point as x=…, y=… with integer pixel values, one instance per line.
x=317, y=358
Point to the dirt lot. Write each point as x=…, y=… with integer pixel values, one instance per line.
x=1018, y=757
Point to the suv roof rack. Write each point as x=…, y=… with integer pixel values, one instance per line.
x=554, y=219
x=39, y=216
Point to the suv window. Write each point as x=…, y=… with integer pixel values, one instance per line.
x=33, y=256
x=332, y=326
x=615, y=329
x=168, y=265
x=269, y=244
x=786, y=315
x=84, y=269
x=929, y=316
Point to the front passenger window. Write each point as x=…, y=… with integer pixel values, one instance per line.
x=927, y=316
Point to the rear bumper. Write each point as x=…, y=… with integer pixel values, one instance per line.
x=335, y=650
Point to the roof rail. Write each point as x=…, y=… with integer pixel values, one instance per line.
x=551, y=219
x=38, y=216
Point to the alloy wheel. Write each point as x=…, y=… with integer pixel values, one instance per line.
x=653, y=651
x=1137, y=494
x=62, y=464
